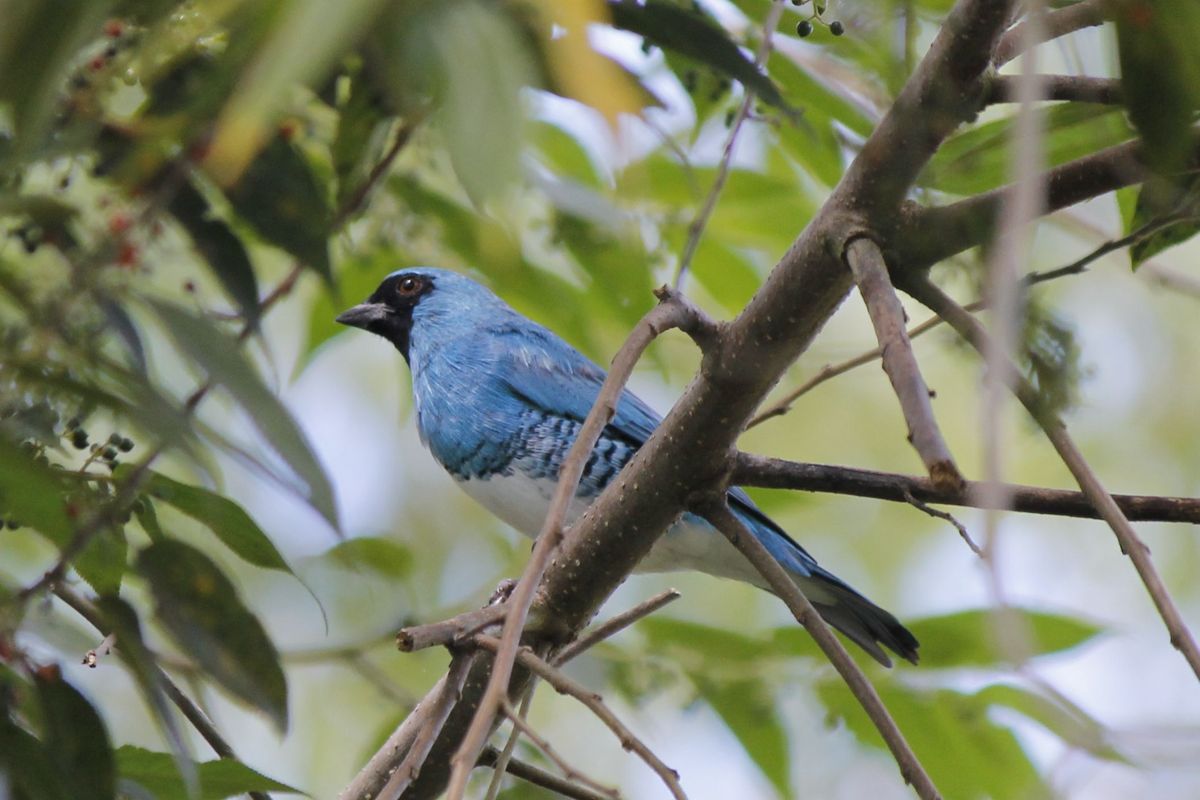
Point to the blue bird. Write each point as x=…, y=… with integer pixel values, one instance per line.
x=500, y=399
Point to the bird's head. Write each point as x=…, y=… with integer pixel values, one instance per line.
x=417, y=296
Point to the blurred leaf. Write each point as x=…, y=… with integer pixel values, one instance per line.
x=964, y=752
x=664, y=634
x=223, y=360
x=361, y=138
x=372, y=554
x=615, y=262
x=751, y=714
x=75, y=739
x=576, y=69
x=978, y=158
x=476, y=63
x=1161, y=200
x=1160, y=75
x=102, y=562
x=39, y=41
x=122, y=324
x=147, y=517
x=301, y=43
x=221, y=249
x=563, y=154
x=1069, y=723
x=26, y=765
x=200, y=607
x=225, y=518
x=32, y=494
x=279, y=196
x=687, y=31
x=219, y=779
x=965, y=639
x=123, y=623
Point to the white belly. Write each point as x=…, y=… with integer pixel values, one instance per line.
x=523, y=502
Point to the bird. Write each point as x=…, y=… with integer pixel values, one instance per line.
x=499, y=399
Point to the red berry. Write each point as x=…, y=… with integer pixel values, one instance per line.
x=114, y=28
x=119, y=223
x=98, y=63
x=127, y=254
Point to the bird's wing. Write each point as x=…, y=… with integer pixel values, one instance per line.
x=547, y=372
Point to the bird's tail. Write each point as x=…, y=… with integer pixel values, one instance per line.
x=863, y=622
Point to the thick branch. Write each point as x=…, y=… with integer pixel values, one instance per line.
x=1077, y=88
x=776, y=473
x=925, y=236
x=973, y=332
x=888, y=318
x=781, y=583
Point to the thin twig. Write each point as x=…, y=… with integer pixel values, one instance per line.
x=618, y=623
x=718, y=513
x=490, y=757
x=669, y=313
x=92, y=657
x=776, y=473
x=510, y=746
x=1135, y=236
x=435, y=720
x=948, y=517
x=1060, y=22
x=355, y=199
x=1131, y=544
x=450, y=631
x=569, y=772
x=700, y=222
x=887, y=316
x=564, y=685
x=1073, y=88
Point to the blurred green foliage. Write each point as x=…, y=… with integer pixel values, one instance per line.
x=170, y=172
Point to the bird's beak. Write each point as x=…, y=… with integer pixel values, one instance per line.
x=363, y=314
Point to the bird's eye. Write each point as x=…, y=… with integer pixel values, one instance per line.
x=407, y=287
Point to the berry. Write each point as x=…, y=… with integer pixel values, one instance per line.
x=79, y=438
x=125, y=445
x=804, y=28
x=114, y=438
x=837, y=28
x=109, y=453
x=73, y=423
x=114, y=28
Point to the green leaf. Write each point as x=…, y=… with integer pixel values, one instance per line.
x=284, y=202
x=563, y=154
x=691, y=34
x=200, y=607
x=963, y=750
x=219, y=779
x=27, y=765
x=225, y=518
x=1160, y=75
x=372, y=554
x=751, y=714
x=147, y=517
x=476, y=63
x=978, y=159
x=965, y=638
x=39, y=41
x=75, y=738
x=361, y=138
x=1158, y=201
x=122, y=622
x=699, y=640
x=1069, y=722
x=221, y=249
x=223, y=360
x=32, y=494
x=102, y=562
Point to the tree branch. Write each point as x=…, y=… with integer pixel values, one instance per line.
x=1059, y=22
x=569, y=772
x=490, y=757
x=450, y=632
x=1131, y=544
x=888, y=318
x=718, y=513
x=776, y=473
x=564, y=685
x=1075, y=88
x=618, y=623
